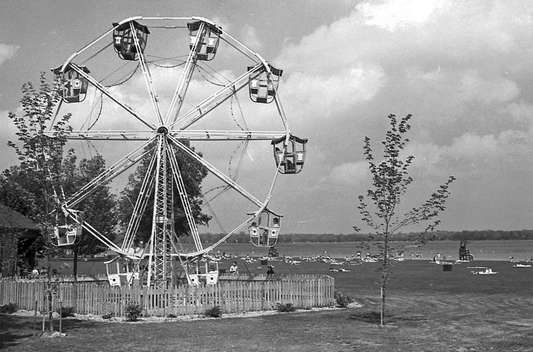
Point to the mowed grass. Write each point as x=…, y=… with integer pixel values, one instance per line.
x=428, y=310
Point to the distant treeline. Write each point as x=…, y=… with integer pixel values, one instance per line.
x=433, y=236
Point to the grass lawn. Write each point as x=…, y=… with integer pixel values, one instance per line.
x=429, y=310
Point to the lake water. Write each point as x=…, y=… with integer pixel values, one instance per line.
x=481, y=250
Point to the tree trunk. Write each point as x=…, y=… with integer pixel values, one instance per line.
x=49, y=293
x=384, y=273
x=75, y=274
x=75, y=263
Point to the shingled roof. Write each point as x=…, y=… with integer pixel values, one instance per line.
x=11, y=219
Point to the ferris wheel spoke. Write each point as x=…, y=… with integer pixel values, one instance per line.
x=240, y=47
x=147, y=75
x=217, y=98
x=181, y=88
x=106, y=91
x=227, y=135
x=192, y=135
x=224, y=238
x=108, y=135
x=89, y=228
x=281, y=112
x=219, y=174
x=140, y=205
x=178, y=179
x=89, y=45
x=109, y=174
x=142, y=210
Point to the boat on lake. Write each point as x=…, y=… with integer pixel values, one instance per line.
x=484, y=271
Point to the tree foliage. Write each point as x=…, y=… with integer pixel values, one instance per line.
x=380, y=208
x=29, y=187
x=99, y=209
x=46, y=171
x=390, y=180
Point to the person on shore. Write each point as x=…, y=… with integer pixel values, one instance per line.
x=270, y=272
x=234, y=269
x=35, y=273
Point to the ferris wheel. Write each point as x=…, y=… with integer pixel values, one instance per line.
x=165, y=132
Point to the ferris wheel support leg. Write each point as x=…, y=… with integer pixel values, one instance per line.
x=105, y=91
x=147, y=75
x=161, y=227
x=142, y=209
x=184, y=197
x=181, y=88
x=219, y=174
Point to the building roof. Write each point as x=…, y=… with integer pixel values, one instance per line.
x=12, y=219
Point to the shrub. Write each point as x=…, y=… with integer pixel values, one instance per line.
x=133, y=311
x=171, y=315
x=67, y=312
x=108, y=315
x=215, y=312
x=9, y=308
x=285, y=307
x=342, y=300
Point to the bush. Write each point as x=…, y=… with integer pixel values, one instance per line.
x=108, y=315
x=9, y=308
x=286, y=307
x=171, y=315
x=342, y=300
x=215, y=312
x=133, y=311
x=67, y=312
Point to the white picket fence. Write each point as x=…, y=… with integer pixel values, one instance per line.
x=233, y=296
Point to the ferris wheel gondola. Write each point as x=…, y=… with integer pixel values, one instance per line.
x=73, y=86
x=166, y=134
x=68, y=232
x=263, y=87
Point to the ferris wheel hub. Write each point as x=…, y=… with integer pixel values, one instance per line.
x=162, y=130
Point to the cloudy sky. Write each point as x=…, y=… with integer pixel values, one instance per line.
x=463, y=69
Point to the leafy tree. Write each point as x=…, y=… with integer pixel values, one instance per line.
x=41, y=159
x=99, y=209
x=192, y=172
x=30, y=187
x=46, y=171
x=380, y=208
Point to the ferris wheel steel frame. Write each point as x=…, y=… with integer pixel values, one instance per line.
x=162, y=138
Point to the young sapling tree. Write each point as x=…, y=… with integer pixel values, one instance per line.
x=380, y=209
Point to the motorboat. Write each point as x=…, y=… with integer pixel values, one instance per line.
x=485, y=271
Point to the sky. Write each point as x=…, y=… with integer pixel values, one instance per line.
x=462, y=69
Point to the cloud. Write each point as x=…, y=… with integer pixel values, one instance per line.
x=250, y=38
x=7, y=134
x=321, y=96
x=521, y=112
x=396, y=14
x=473, y=154
x=222, y=22
x=7, y=52
x=456, y=66
x=354, y=173
x=499, y=90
